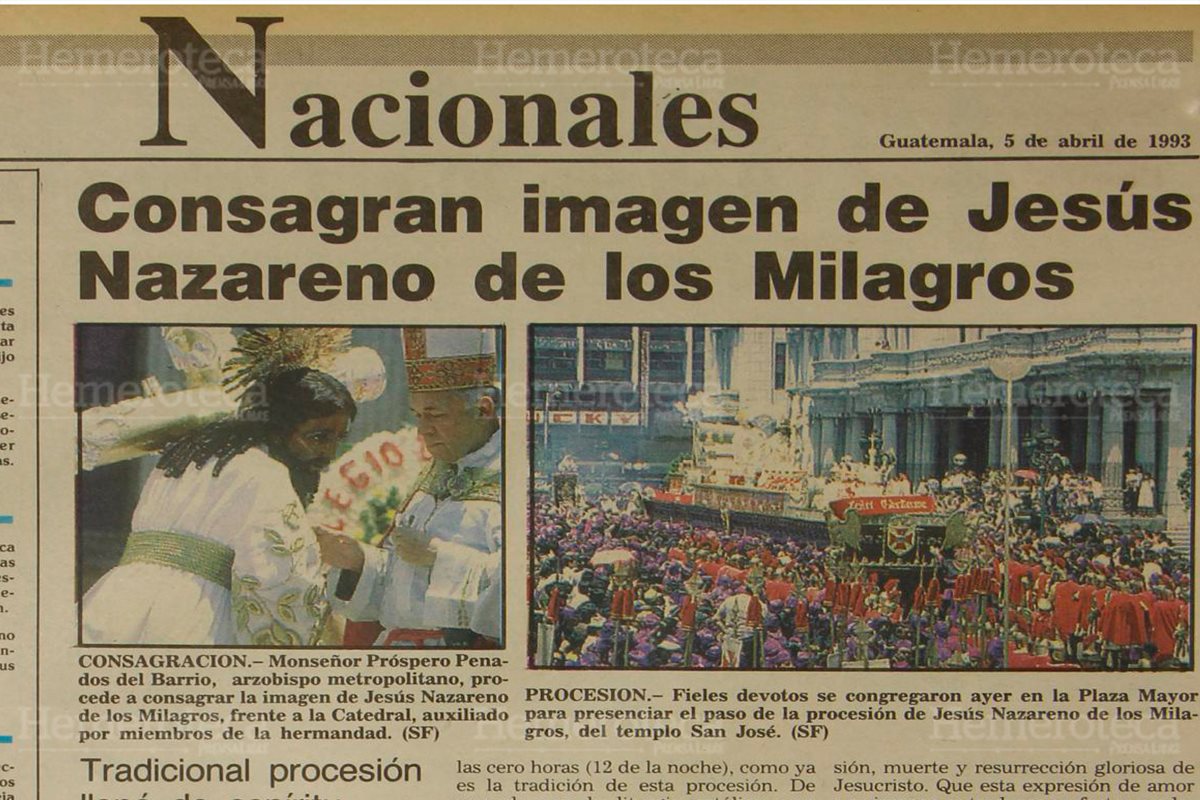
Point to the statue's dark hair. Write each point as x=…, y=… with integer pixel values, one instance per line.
x=268, y=412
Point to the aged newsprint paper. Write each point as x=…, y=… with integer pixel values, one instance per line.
x=597, y=403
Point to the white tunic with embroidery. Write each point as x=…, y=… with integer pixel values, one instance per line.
x=464, y=527
x=251, y=509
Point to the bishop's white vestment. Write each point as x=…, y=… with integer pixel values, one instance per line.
x=455, y=509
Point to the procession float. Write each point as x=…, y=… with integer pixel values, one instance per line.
x=745, y=475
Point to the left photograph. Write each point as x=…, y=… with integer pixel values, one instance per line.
x=295, y=486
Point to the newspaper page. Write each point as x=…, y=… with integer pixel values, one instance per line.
x=598, y=403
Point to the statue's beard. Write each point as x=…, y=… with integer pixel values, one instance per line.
x=305, y=480
x=305, y=474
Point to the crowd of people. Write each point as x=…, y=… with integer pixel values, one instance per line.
x=616, y=587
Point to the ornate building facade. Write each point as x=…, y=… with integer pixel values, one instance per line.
x=1116, y=398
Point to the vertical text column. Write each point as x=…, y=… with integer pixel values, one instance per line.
x=18, y=482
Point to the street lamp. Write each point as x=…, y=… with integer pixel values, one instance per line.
x=1009, y=369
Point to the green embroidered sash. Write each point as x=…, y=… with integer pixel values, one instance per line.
x=190, y=554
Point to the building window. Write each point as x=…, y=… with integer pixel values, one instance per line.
x=608, y=365
x=780, y=365
x=667, y=362
x=608, y=353
x=667, y=367
x=554, y=365
x=555, y=352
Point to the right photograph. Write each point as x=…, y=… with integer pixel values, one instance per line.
x=748, y=497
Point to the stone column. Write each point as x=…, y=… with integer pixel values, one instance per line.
x=816, y=428
x=908, y=461
x=1095, y=427
x=1178, y=420
x=1112, y=446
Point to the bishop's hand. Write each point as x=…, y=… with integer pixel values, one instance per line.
x=411, y=544
x=339, y=550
